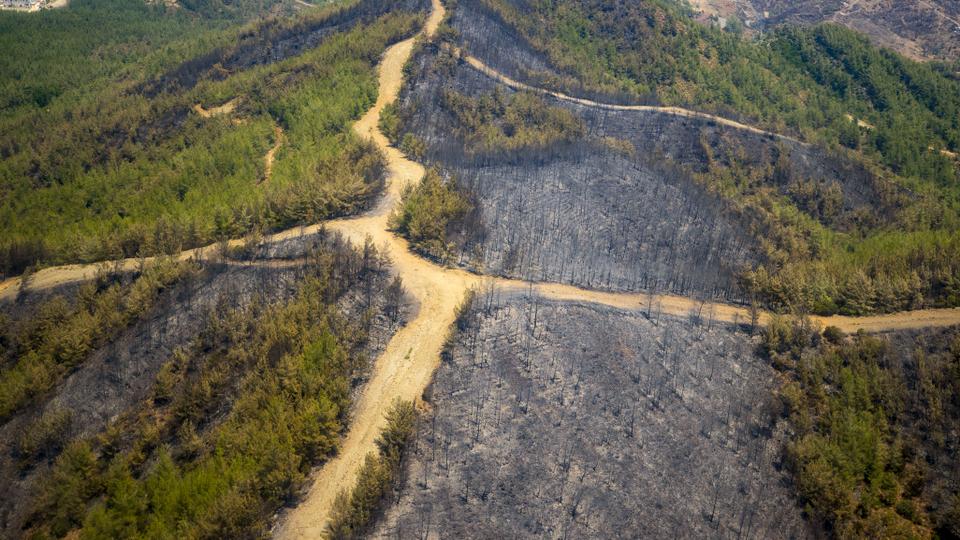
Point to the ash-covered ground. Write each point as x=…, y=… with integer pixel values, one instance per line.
x=576, y=421
x=583, y=213
x=586, y=215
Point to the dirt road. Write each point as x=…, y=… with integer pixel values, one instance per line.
x=679, y=306
x=478, y=64
x=408, y=363
x=272, y=153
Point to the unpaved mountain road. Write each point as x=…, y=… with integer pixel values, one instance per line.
x=405, y=368
x=271, y=155
x=680, y=306
x=480, y=66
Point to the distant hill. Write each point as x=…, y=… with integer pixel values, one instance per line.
x=920, y=29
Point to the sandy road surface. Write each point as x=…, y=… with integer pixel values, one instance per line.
x=680, y=306
x=408, y=363
x=271, y=155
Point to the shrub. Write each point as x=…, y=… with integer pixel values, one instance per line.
x=834, y=335
x=413, y=146
x=498, y=122
x=427, y=213
x=44, y=437
x=389, y=122
x=354, y=512
x=785, y=335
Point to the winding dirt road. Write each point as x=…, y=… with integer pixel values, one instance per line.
x=480, y=66
x=407, y=365
x=272, y=153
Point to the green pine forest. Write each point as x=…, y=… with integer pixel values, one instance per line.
x=232, y=424
x=95, y=168
x=873, y=419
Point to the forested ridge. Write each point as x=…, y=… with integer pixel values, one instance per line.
x=232, y=421
x=822, y=254
x=198, y=398
x=157, y=146
x=796, y=79
x=108, y=169
x=816, y=81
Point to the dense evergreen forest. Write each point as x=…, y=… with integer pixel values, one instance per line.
x=135, y=154
x=875, y=436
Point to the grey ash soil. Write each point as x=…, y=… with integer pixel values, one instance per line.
x=120, y=375
x=602, y=223
x=583, y=214
x=573, y=421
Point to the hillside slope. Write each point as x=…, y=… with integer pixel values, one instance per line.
x=570, y=228
x=919, y=29
x=122, y=164
x=820, y=220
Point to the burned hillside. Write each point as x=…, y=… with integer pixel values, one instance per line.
x=113, y=393
x=553, y=420
x=523, y=269
x=273, y=41
x=620, y=200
